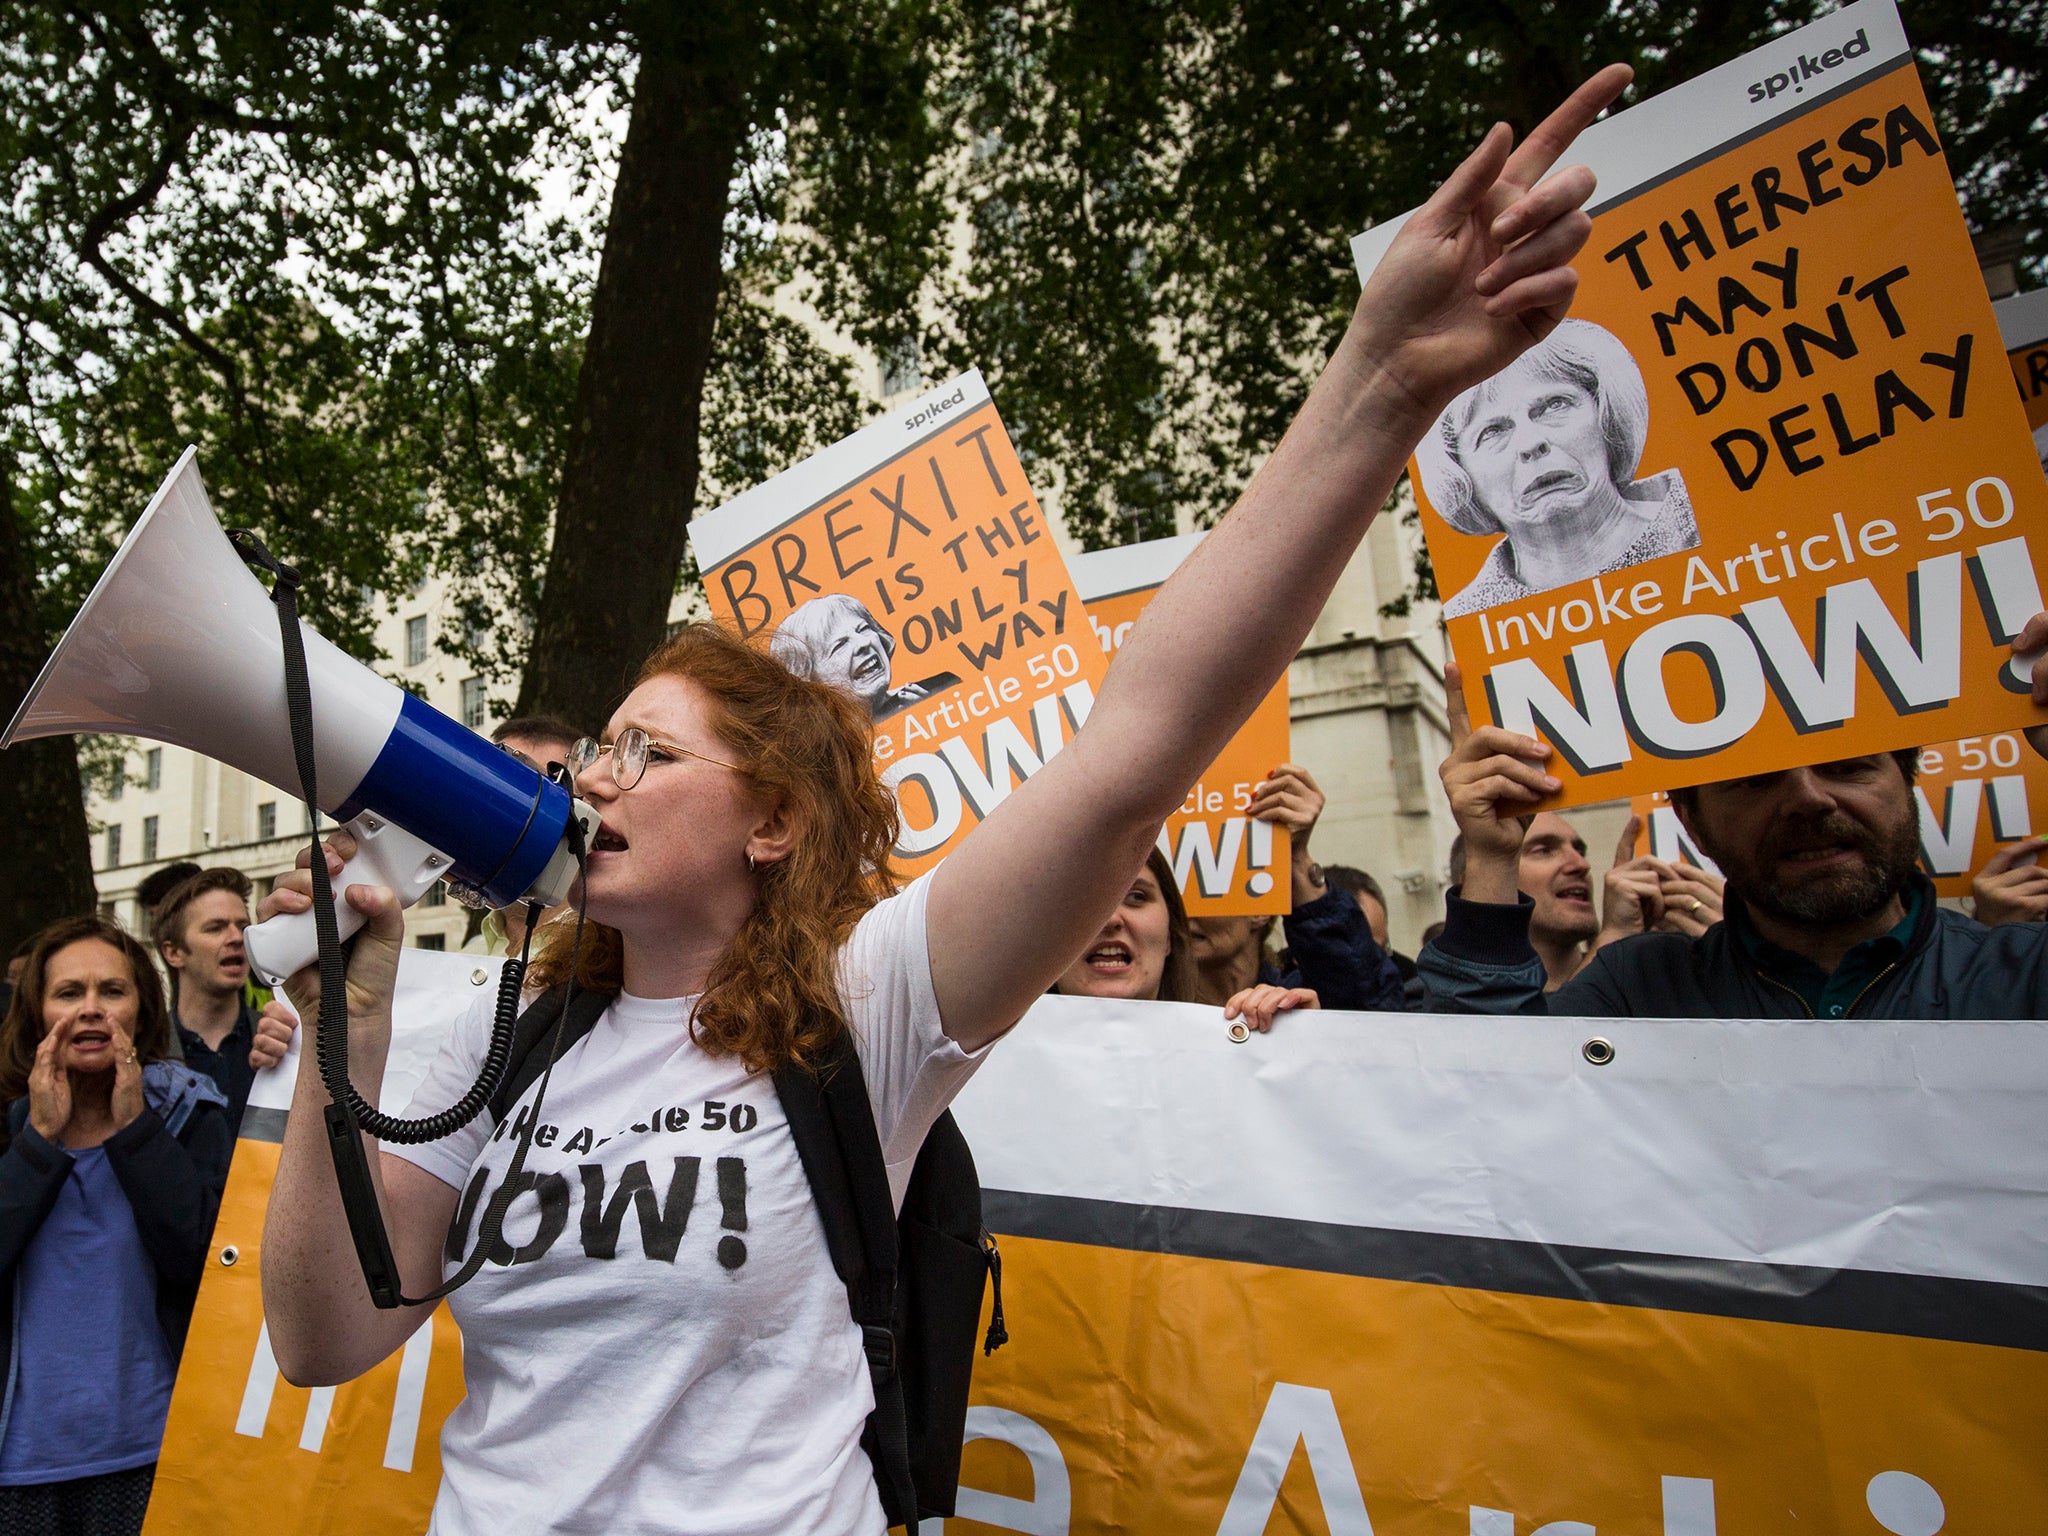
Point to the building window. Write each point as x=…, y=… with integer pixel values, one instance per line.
x=153, y=768
x=415, y=640
x=266, y=821
x=113, y=845
x=900, y=370
x=436, y=895
x=473, y=703
x=148, y=839
x=117, y=781
x=433, y=941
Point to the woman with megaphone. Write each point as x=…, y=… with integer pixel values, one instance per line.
x=660, y=1341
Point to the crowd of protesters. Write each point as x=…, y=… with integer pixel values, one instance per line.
x=124, y=1096
x=125, y=1083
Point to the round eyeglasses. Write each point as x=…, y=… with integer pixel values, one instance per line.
x=630, y=753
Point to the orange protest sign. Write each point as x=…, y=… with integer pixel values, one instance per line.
x=1388, y=1274
x=1765, y=497
x=1647, y=1433
x=1977, y=796
x=912, y=565
x=2023, y=326
x=1225, y=862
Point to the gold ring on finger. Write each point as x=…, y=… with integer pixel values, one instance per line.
x=1696, y=904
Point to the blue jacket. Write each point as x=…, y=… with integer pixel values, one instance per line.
x=1953, y=968
x=1332, y=951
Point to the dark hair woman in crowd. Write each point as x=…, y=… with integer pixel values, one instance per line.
x=1142, y=952
x=115, y=1161
x=642, y=1372
x=1145, y=952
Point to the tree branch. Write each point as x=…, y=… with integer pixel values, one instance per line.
x=118, y=212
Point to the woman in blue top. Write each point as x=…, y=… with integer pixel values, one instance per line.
x=112, y=1176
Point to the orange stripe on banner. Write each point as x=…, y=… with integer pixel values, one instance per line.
x=1151, y=1394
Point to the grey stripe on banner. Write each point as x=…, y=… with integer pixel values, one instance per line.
x=260, y=1124
x=1867, y=1301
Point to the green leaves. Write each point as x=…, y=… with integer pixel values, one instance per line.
x=303, y=237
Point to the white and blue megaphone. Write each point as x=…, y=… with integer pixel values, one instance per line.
x=180, y=643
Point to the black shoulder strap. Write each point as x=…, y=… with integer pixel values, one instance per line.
x=527, y=1061
x=833, y=1126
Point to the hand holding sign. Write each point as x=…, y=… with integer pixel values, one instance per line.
x=1693, y=899
x=1633, y=899
x=1480, y=271
x=1289, y=797
x=1258, y=1006
x=2012, y=887
x=1491, y=777
x=2032, y=640
x=1644, y=893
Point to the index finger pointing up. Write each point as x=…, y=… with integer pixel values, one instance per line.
x=1549, y=140
x=1553, y=136
x=1456, y=716
x=1625, y=850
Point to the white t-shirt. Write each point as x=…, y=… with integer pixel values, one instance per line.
x=668, y=1349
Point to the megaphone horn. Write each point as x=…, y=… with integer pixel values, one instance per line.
x=179, y=643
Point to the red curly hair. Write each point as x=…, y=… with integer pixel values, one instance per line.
x=773, y=997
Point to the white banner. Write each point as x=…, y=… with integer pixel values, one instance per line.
x=1383, y=1275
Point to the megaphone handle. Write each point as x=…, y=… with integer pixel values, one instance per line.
x=385, y=855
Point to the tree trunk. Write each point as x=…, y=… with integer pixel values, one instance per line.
x=44, y=847
x=631, y=478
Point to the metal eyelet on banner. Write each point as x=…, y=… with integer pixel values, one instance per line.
x=1240, y=1032
x=228, y=1255
x=1598, y=1051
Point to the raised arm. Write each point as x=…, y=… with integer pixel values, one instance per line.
x=1477, y=275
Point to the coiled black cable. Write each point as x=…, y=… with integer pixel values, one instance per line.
x=332, y=1048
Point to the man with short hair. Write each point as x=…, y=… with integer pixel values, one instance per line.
x=1827, y=913
x=150, y=894
x=538, y=739
x=198, y=931
x=1555, y=874
x=1552, y=870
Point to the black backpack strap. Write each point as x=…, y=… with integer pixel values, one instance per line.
x=833, y=1125
x=527, y=1060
